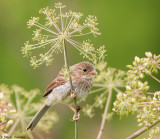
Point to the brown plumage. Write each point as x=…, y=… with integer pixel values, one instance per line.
x=58, y=91
x=60, y=80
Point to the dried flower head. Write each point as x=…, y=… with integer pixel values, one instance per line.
x=61, y=27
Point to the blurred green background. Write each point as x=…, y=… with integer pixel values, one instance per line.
x=129, y=28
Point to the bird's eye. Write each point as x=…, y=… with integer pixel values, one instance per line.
x=84, y=70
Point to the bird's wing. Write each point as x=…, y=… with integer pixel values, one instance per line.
x=60, y=80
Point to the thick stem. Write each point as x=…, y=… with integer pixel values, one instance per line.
x=105, y=114
x=142, y=130
x=70, y=80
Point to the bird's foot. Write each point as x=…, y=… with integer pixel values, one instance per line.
x=78, y=108
x=73, y=94
x=76, y=117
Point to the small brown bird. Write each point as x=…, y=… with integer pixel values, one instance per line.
x=58, y=91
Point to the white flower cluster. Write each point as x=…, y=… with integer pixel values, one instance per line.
x=6, y=108
x=137, y=98
x=18, y=108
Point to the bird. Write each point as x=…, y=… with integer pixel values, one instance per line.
x=59, y=90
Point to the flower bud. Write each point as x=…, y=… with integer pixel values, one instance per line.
x=9, y=123
x=137, y=59
x=128, y=87
x=148, y=54
x=1, y=95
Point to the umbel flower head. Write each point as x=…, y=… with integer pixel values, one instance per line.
x=148, y=65
x=61, y=27
x=138, y=96
x=25, y=104
x=107, y=79
x=6, y=108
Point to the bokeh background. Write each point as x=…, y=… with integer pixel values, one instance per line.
x=129, y=28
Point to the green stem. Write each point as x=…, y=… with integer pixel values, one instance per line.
x=155, y=78
x=18, y=102
x=29, y=132
x=30, y=136
x=105, y=114
x=70, y=81
x=96, y=90
x=28, y=102
x=117, y=90
x=39, y=135
x=158, y=67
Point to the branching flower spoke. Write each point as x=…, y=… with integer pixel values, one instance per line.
x=22, y=107
x=60, y=27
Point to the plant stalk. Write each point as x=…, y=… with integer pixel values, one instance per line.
x=70, y=80
x=13, y=127
x=105, y=114
x=154, y=78
x=142, y=130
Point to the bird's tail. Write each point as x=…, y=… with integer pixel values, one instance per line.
x=37, y=117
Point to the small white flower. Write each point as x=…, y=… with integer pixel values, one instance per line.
x=1, y=95
x=10, y=105
x=10, y=122
x=13, y=111
x=140, y=124
x=137, y=59
x=128, y=87
x=148, y=54
x=5, y=110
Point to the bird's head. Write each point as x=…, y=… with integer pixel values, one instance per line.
x=84, y=70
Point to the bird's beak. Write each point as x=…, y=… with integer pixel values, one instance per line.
x=93, y=72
